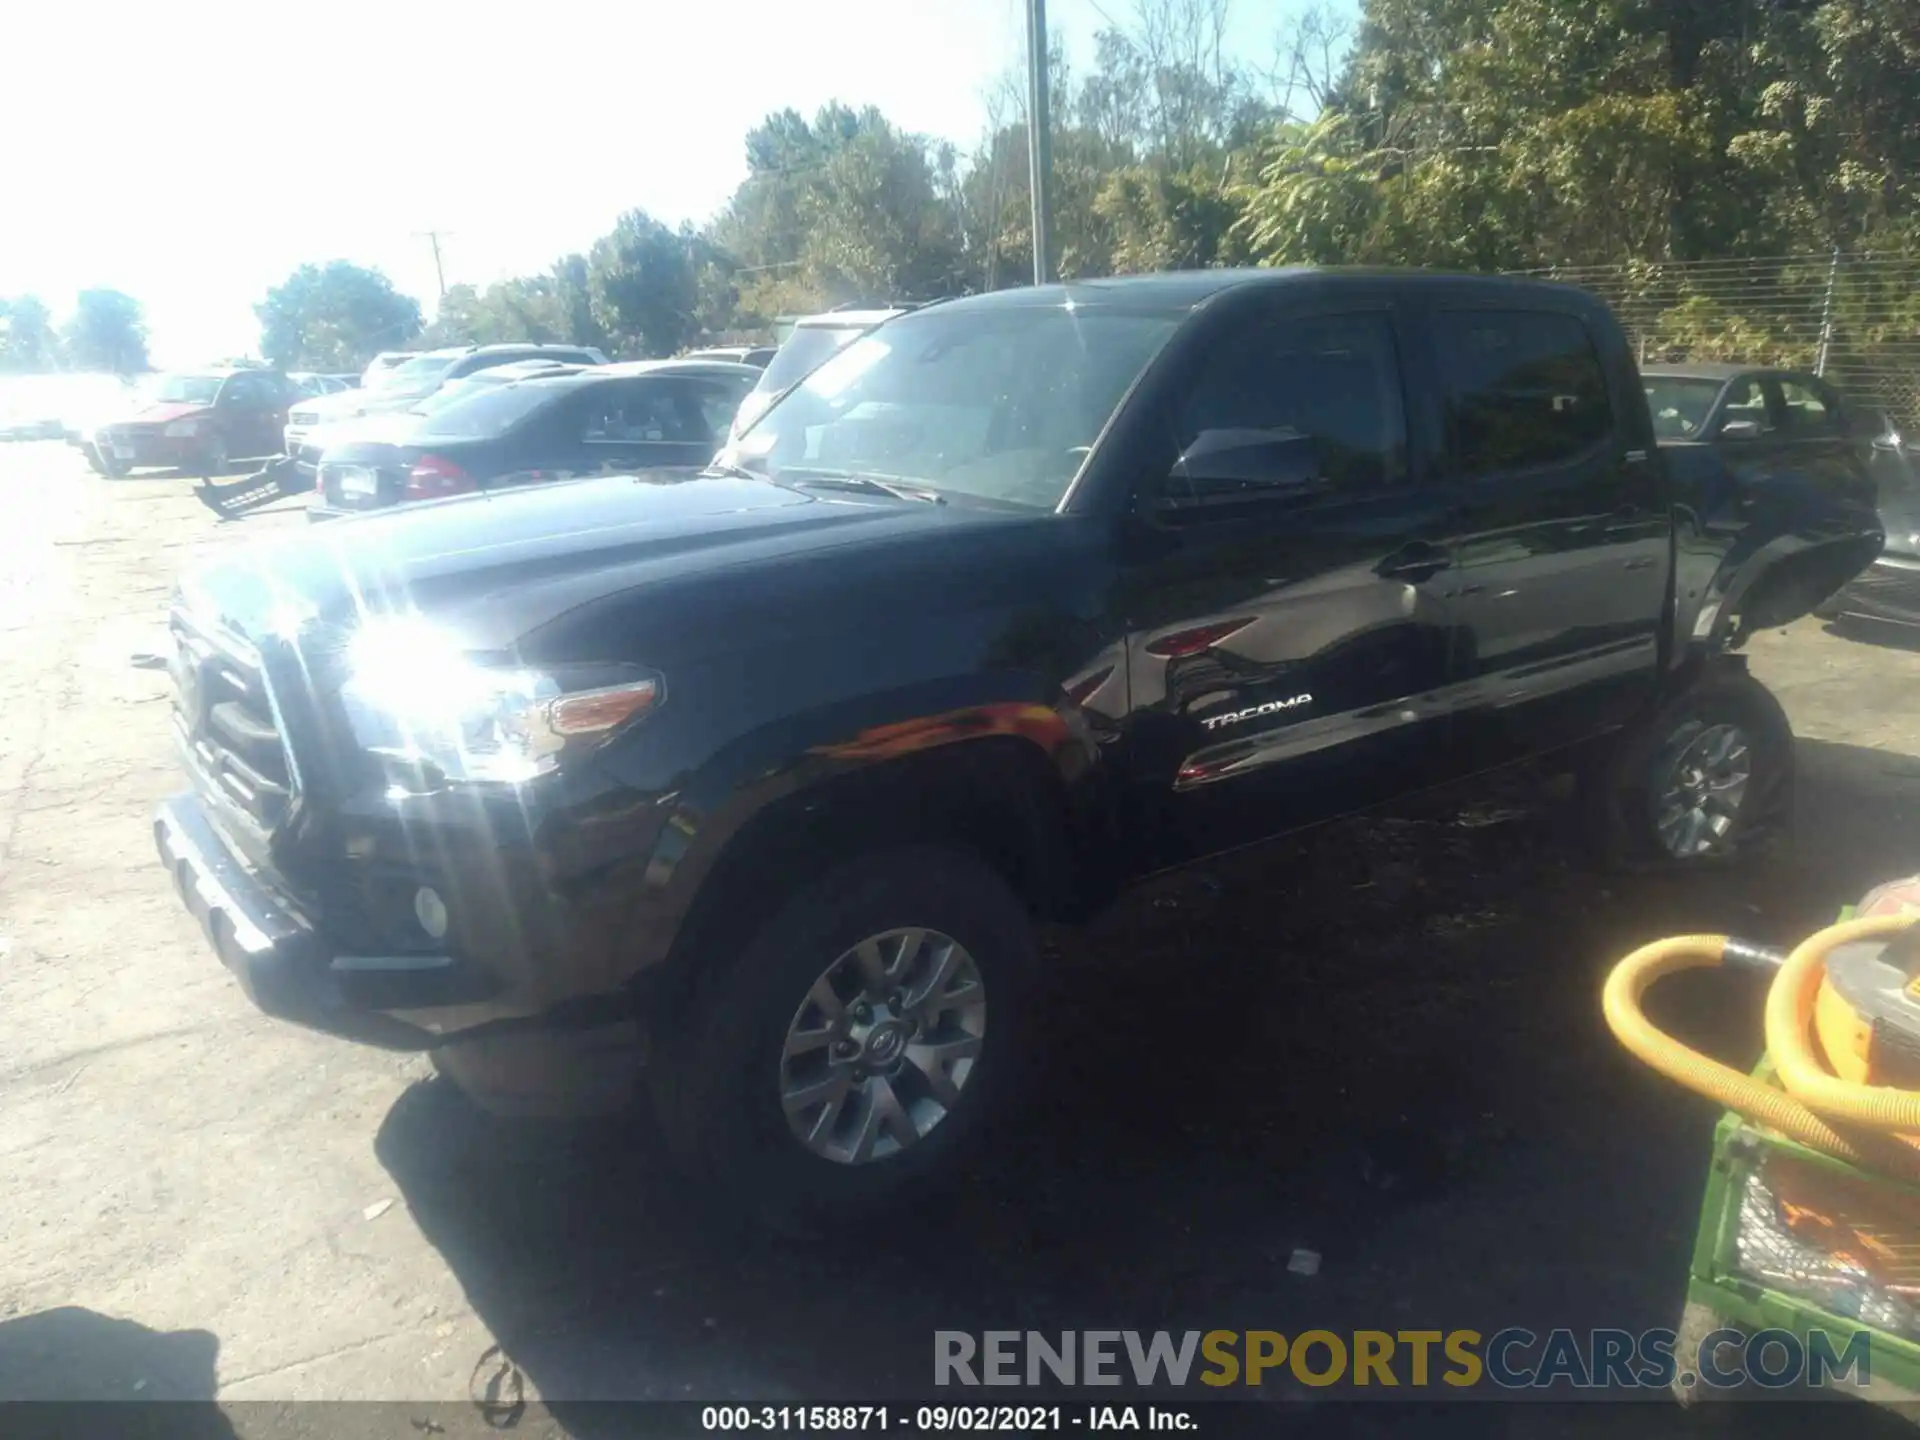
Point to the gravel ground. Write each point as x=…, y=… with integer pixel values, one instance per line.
x=1381, y=1042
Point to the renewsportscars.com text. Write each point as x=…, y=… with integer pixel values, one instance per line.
x=1510, y=1359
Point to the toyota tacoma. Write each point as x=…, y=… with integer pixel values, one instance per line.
x=758, y=784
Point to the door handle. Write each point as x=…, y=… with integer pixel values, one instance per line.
x=1416, y=562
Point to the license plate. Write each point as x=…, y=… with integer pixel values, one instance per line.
x=359, y=482
x=122, y=450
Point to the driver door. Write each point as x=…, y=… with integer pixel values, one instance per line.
x=1288, y=640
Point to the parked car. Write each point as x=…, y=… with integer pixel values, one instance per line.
x=384, y=364
x=416, y=377
x=196, y=420
x=813, y=340
x=1017, y=600
x=1755, y=418
x=303, y=466
x=29, y=407
x=665, y=418
x=757, y=356
x=311, y=384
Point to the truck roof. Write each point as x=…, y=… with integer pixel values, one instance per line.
x=1180, y=289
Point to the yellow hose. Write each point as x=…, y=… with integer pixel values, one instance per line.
x=1789, y=1008
x=1790, y=1003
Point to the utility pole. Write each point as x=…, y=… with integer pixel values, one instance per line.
x=1039, y=137
x=439, y=270
x=1826, y=314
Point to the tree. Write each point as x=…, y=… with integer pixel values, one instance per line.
x=642, y=286
x=27, y=341
x=334, y=317
x=107, y=333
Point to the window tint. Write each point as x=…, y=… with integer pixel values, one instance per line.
x=1746, y=401
x=1524, y=388
x=717, y=403
x=489, y=410
x=1308, y=403
x=637, y=413
x=250, y=390
x=1805, y=410
x=1680, y=404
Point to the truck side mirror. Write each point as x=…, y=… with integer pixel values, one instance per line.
x=1234, y=468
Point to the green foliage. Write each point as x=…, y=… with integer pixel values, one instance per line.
x=106, y=332
x=334, y=317
x=27, y=341
x=643, y=287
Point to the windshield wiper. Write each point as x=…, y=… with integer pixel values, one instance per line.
x=867, y=484
x=731, y=472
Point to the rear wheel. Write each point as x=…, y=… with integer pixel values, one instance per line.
x=1706, y=780
x=853, y=1048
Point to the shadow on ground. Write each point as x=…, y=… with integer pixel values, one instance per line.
x=72, y=1371
x=1381, y=1042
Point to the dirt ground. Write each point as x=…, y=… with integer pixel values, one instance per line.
x=1381, y=1042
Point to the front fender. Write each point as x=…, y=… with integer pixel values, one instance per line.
x=692, y=823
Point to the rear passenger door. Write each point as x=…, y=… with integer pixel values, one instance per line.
x=1561, y=558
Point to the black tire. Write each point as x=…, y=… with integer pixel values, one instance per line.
x=716, y=1077
x=95, y=461
x=1623, y=788
x=214, y=460
x=111, y=468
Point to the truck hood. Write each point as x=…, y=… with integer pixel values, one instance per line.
x=491, y=568
x=161, y=412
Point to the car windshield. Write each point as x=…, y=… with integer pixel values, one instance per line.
x=183, y=389
x=806, y=349
x=1679, y=404
x=484, y=410
x=416, y=376
x=998, y=403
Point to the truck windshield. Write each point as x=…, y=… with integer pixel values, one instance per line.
x=998, y=403
x=1679, y=404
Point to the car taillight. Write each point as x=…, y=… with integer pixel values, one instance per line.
x=433, y=476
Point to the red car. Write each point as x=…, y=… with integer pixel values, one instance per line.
x=197, y=421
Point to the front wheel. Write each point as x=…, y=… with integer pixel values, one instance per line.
x=1707, y=779
x=214, y=459
x=851, y=1051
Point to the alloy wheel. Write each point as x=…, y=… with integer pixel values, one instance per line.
x=882, y=1046
x=1702, y=787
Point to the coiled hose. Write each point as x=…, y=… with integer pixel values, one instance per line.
x=1874, y=1126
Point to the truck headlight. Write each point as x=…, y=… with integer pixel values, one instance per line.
x=412, y=696
x=183, y=429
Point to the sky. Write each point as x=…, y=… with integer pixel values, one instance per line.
x=193, y=154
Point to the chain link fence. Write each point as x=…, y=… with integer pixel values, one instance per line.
x=1852, y=318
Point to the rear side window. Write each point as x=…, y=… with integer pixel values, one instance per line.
x=1805, y=411
x=1524, y=388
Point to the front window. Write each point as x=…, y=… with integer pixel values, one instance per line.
x=183, y=389
x=998, y=403
x=1679, y=404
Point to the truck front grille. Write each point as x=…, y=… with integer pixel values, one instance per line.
x=224, y=714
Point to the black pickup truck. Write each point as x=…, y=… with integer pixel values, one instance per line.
x=769, y=775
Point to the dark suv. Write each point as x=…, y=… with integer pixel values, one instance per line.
x=768, y=776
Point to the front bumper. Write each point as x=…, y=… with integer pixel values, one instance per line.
x=1887, y=590
x=283, y=960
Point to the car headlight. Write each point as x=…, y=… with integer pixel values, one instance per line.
x=414, y=698
x=183, y=429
